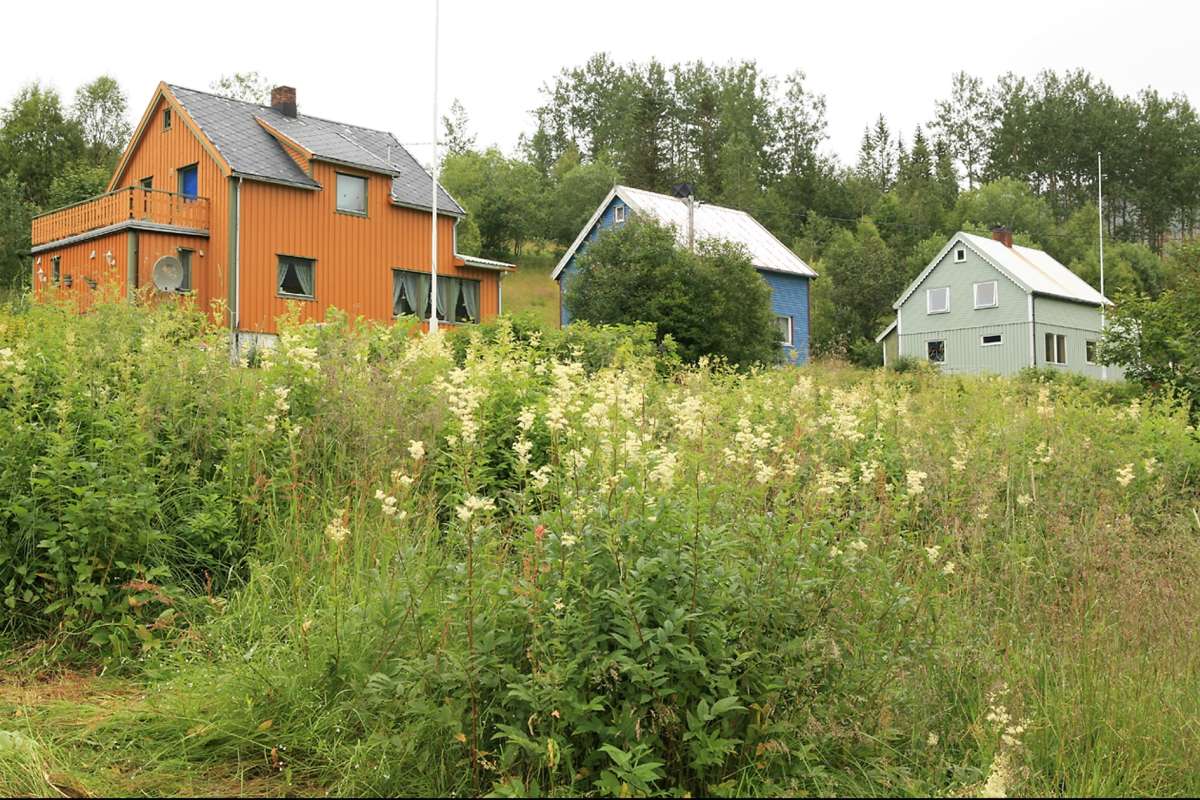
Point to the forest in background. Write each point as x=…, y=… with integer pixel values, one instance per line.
x=1020, y=151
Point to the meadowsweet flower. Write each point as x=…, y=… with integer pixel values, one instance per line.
x=416, y=449
x=281, y=399
x=522, y=447
x=337, y=530
x=525, y=419
x=948, y=569
x=933, y=553
x=664, y=471
x=1150, y=464
x=763, y=473
x=1024, y=500
x=835, y=551
x=541, y=476
x=858, y=545
x=568, y=540
x=559, y=605
x=916, y=481
x=472, y=505
x=959, y=464
x=1125, y=475
x=931, y=740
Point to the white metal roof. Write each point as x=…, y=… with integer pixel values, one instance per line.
x=712, y=222
x=485, y=263
x=1032, y=270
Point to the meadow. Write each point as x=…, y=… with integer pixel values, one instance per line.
x=513, y=562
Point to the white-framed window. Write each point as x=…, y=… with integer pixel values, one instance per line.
x=785, y=330
x=1056, y=348
x=1090, y=347
x=991, y=339
x=987, y=294
x=296, y=278
x=935, y=350
x=937, y=301
x=351, y=194
x=618, y=215
x=960, y=255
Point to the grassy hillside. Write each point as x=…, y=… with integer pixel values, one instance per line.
x=530, y=289
x=367, y=566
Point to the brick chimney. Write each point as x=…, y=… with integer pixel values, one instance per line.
x=1002, y=234
x=283, y=100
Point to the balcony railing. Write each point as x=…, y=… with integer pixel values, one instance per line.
x=131, y=203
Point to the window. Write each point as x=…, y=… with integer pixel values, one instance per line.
x=937, y=301
x=1056, y=348
x=188, y=185
x=936, y=351
x=296, y=277
x=785, y=330
x=457, y=298
x=992, y=339
x=1090, y=351
x=960, y=255
x=56, y=269
x=618, y=215
x=351, y=194
x=185, y=262
x=985, y=294
x=166, y=119
x=147, y=183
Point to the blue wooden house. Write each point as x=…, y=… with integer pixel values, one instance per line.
x=785, y=272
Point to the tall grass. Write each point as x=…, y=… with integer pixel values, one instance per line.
x=381, y=564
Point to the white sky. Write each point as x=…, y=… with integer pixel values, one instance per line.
x=370, y=63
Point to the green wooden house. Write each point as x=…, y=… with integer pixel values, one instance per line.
x=987, y=305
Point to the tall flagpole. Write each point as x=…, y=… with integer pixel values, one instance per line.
x=433, y=275
x=1100, y=211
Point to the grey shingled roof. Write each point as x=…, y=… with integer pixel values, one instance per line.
x=232, y=127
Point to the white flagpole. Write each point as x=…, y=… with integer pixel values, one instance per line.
x=433, y=276
x=1100, y=210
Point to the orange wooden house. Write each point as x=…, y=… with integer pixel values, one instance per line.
x=248, y=207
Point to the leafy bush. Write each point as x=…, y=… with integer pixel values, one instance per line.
x=711, y=302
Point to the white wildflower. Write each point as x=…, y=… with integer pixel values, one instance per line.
x=416, y=449
x=1125, y=475
x=472, y=505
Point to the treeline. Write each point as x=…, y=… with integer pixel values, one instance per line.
x=53, y=154
x=1019, y=152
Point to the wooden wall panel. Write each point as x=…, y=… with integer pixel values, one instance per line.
x=83, y=261
x=355, y=255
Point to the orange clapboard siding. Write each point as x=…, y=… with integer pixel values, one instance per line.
x=159, y=154
x=103, y=260
x=354, y=255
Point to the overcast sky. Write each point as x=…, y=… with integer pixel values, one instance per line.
x=371, y=64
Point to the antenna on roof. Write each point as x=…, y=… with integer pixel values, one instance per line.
x=685, y=191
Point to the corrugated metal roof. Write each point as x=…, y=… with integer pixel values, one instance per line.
x=232, y=127
x=485, y=263
x=1036, y=270
x=718, y=222
x=712, y=222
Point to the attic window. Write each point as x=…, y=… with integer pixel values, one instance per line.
x=351, y=194
x=166, y=119
x=960, y=255
x=985, y=294
x=937, y=301
x=618, y=215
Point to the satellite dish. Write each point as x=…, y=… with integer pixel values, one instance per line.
x=168, y=274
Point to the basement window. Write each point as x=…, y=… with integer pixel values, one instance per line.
x=936, y=351
x=992, y=339
x=937, y=301
x=352, y=194
x=785, y=330
x=296, y=278
x=1056, y=348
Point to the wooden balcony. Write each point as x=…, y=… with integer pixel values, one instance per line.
x=131, y=204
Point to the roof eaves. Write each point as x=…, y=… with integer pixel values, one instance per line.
x=591, y=223
x=312, y=185
x=449, y=212
x=885, y=332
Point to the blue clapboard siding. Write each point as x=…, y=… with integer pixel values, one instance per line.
x=789, y=298
x=789, y=293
